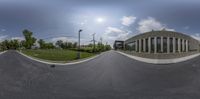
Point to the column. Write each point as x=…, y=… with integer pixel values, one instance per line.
x=144, y=45
x=140, y=45
x=168, y=45
x=183, y=45
x=161, y=43
x=155, y=44
x=187, y=47
x=179, y=45
x=149, y=44
x=136, y=45
x=174, y=45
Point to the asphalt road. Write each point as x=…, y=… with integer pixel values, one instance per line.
x=109, y=76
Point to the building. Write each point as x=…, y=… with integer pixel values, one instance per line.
x=118, y=45
x=162, y=44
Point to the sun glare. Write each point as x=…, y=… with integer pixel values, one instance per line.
x=100, y=20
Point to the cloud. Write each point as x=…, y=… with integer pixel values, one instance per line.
x=3, y=30
x=128, y=20
x=17, y=38
x=186, y=27
x=64, y=39
x=3, y=37
x=111, y=34
x=196, y=36
x=149, y=24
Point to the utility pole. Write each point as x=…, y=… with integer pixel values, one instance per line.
x=79, y=44
x=93, y=42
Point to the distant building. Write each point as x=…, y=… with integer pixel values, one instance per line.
x=162, y=44
x=118, y=45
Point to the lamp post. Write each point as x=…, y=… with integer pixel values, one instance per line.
x=79, y=44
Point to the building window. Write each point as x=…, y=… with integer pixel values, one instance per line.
x=158, y=44
x=131, y=46
x=181, y=47
x=164, y=44
x=146, y=40
x=152, y=45
x=142, y=45
x=137, y=46
x=185, y=45
x=171, y=44
x=176, y=42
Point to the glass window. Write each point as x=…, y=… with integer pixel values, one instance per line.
x=165, y=44
x=171, y=44
x=158, y=44
x=146, y=40
x=176, y=42
x=152, y=45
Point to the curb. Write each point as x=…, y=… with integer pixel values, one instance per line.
x=3, y=52
x=160, y=61
x=52, y=63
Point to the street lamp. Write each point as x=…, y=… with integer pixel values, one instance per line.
x=78, y=53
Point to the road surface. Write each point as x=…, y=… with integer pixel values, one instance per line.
x=109, y=76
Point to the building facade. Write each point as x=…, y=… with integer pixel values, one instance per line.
x=118, y=45
x=162, y=44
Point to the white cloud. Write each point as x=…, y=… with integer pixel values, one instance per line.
x=149, y=24
x=196, y=36
x=64, y=39
x=112, y=33
x=115, y=33
x=17, y=38
x=3, y=37
x=128, y=20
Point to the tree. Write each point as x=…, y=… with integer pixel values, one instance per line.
x=107, y=47
x=74, y=45
x=59, y=43
x=4, y=45
x=69, y=45
x=41, y=42
x=49, y=46
x=29, y=40
x=15, y=44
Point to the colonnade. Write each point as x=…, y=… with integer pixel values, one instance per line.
x=171, y=45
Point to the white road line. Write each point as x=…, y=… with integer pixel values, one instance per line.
x=3, y=52
x=51, y=63
x=160, y=61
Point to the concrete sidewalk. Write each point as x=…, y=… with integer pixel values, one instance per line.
x=160, y=61
x=2, y=52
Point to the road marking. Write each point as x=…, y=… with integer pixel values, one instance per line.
x=160, y=61
x=51, y=63
x=3, y=52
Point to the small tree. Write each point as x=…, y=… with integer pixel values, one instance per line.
x=59, y=43
x=41, y=42
x=29, y=40
x=74, y=44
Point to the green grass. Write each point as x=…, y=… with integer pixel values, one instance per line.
x=56, y=54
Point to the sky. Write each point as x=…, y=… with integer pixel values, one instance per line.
x=110, y=20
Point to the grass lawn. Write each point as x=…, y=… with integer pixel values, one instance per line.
x=56, y=54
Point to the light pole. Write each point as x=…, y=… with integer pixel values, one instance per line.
x=79, y=44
